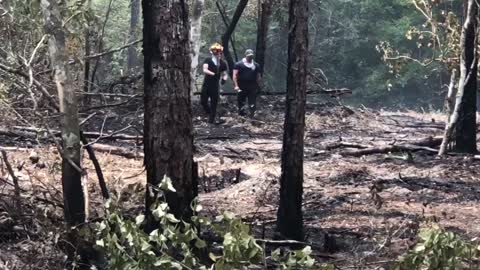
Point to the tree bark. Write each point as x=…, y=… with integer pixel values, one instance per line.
x=228, y=34
x=195, y=38
x=73, y=192
x=168, y=131
x=466, y=130
x=132, y=57
x=462, y=122
x=289, y=216
x=452, y=92
x=264, y=14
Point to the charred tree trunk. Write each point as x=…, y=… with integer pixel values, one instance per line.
x=289, y=216
x=466, y=130
x=168, y=132
x=264, y=14
x=132, y=57
x=228, y=34
x=462, y=122
x=73, y=192
x=195, y=38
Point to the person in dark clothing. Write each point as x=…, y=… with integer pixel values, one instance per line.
x=214, y=68
x=247, y=76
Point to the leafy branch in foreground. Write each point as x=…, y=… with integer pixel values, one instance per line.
x=177, y=244
x=438, y=249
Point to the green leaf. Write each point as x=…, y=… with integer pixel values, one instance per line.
x=307, y=250
x=145, y=246
x=213, y=257
x=172, y=218
x=139, y=219
x=100, y=243
x=167, y=184
x=200, y=244
x=276, y=254
x=227, y=239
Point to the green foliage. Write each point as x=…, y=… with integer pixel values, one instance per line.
x=177, y=244
x=438, y=250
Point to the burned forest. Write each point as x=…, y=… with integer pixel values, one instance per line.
x=239, y=134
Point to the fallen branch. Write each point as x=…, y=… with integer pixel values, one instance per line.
x=336, y=145
x=332, y=92
x=98, y=169
x=424, y=144
x=116, y=150
x=28, y=132
x=296, y=244
x=15, y=180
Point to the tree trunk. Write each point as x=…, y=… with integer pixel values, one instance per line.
x=452, y=92
x=289, y=216
x=195, y=38
x=86, y=68
x=462, y=122
x=73, y=192
x=228, y=34
x=466, y=130
x=264, y=14
x=132, y=57
x=168, y=131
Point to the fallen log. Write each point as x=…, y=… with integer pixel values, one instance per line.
x=423, y=144
x=332, y=92
x=336, y=145
x=104, y=148
x=116, y=150
x=29, y=131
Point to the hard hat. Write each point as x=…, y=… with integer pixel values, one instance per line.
x=216, y=47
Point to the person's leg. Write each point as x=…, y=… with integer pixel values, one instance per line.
x=204, y=100
x=252, y=101
x=213, y=104
x=242, y=97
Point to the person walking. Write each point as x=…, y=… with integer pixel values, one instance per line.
x=214, y=68
x=247, y=76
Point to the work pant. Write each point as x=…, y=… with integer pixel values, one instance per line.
x=247, y=92
x=212, y=94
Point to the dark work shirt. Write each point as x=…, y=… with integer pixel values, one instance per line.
x=213, y=81
x=246, y=75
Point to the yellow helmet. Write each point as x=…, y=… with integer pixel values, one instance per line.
x=216, y=47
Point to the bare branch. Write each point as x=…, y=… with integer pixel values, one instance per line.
x=97, y=55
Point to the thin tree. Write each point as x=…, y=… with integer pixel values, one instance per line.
x=289, y=215
x=265, y=9
x=229, y=32
x=195, y=37
x=462, y=123
x=466, y=128
x=73, y=192
x=132, y=57
x=168, y=132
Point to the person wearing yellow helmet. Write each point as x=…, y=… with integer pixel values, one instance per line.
x=214, y=69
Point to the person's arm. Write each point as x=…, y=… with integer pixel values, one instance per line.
x=259, y=80
x=207, y=71
x=235, y=79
